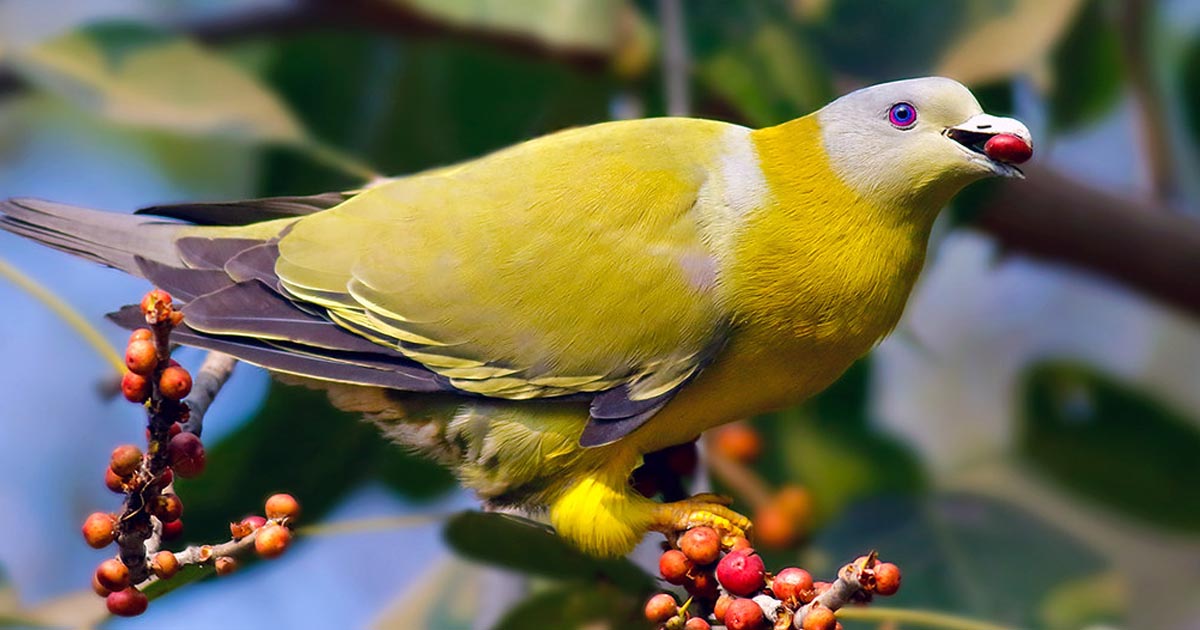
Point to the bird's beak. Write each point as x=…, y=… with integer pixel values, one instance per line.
x=994, y=142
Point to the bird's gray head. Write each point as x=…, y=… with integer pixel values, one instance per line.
x=918, y=141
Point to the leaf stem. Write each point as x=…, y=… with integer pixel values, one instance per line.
x=920, y=618
x=339, y=160
x=64, y=311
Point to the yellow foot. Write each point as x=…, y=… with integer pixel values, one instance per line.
x=672, y=519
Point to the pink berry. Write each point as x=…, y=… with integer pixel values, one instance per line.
x=187, y=454
x=742, y=572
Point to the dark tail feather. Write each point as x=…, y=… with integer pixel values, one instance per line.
x=247, y=211
x=109, y=238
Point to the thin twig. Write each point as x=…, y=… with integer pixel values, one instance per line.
x=64, y=311
x=1133, y=26
x=207, y=384
x=744, y=482
x=676, y=64
x=916, y=618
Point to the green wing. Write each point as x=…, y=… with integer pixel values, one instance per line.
x=572, y=263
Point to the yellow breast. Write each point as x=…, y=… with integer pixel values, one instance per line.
x=816, y=277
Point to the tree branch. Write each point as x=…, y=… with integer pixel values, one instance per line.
x=1052, y=217
x=209, y=380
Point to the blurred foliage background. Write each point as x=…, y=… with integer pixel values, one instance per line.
x=1026, y=446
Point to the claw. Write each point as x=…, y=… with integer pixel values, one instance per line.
x=672, y=519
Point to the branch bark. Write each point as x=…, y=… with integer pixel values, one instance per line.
x=1054, y=218
x=209, y=380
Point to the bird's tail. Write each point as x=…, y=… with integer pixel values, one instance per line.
x=109, y=238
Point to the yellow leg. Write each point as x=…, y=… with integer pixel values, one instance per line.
x=602, y=515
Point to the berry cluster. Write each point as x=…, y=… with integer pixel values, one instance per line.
x=151, y=511
x=730, y=586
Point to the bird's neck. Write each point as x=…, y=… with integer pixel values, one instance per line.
x=818, y=260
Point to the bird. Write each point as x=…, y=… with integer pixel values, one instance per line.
x=541, y=318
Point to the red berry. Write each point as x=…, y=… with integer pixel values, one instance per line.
x=135, y=388
x=742, y=572
x=99, y=530
x=739, y=442
x=696, y=623
x=172, y=530
x=744, y=614
x=791, y=584
x=702, y=585
x=819, y=618
x=887, y=578
x=154, y=302
x=98, y=588
x=272, y=540
x=244, y=527
x=225, y=565
x=175, y=383
x=701, y=545
x=113, y=482
x=141, y=357
x=141, y=334
x=125, y=460
x=186, y=453
x=674, y=566
x=129, y=602
x=282, y=507
x=661, y=607
x=720, y=607
x=165, y=565
x=168, y=507
x=1006, y=147
x=113, y=575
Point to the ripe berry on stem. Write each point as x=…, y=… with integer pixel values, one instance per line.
x=186, y=453
x=744, y=614
x=112, y=574
x=129, y=602
x=175, y=383
x=742, y=572
x=165, y=565
x=701, y=545
x=887, y=579
x=272, y=540
x=674, y=566
x=661, y=607
x=819, y=618
x=99, y=529
x=141, y=357
x=792, y=585
x=282, y=507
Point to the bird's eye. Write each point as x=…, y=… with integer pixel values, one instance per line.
x=902, y=115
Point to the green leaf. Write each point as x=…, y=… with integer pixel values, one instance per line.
x=1006, y=38
x=961, y=554
x=405, y=106
x=878, y=40
x=586, y=24
x=1087, y=70
x=573, y=607
x=298, y=444
x=136, y=75
x=530, y=547
x=771, y=78
x=1112, y=443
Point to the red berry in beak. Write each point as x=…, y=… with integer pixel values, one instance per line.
x=1006, y=147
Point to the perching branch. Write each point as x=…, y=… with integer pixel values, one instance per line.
x=1052, y=217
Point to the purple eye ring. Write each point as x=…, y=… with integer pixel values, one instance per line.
x=902, y=115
